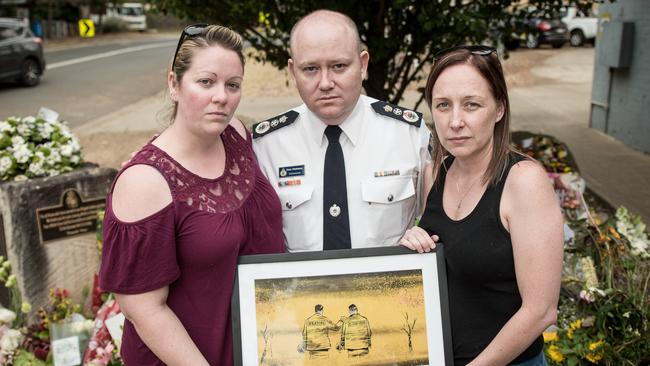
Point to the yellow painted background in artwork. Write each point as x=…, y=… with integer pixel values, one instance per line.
x=282, y=308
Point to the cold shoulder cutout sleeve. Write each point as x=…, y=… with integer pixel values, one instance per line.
x=138, y=256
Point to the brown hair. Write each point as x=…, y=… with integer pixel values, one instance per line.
x=490, y=68
x=211, y=35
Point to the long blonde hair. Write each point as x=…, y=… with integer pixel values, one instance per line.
x=211, y=35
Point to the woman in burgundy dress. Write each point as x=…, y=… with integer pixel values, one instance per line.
x=183, y=209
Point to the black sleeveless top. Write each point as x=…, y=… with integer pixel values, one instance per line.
x=483, y=293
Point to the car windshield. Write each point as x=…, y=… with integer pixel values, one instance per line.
x=8, y=31
x=131, y=11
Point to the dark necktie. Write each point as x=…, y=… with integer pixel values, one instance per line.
x=336, y=221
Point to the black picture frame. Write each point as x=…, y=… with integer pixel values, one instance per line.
x=282, y=284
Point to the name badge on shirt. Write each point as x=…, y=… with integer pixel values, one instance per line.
x=291, y=171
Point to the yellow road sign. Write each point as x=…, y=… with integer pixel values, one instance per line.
x=86, y=28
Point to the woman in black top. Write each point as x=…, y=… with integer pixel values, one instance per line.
x=496, y=213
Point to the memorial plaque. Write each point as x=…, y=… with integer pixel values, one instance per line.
x=73, y=216
x=49, y=231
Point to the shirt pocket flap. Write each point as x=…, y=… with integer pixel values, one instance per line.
x=294, y=196
x=387, y=190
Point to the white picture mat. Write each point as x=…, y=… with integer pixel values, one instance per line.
x=248, y=273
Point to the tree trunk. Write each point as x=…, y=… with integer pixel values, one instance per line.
x=377, y=76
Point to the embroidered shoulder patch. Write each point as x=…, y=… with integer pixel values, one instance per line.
x=265, y=127
x=401, y=114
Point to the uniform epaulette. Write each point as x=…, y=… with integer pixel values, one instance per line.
x=401, y=114
x=265, y=127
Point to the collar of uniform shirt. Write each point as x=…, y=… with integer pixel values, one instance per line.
x=351, y=127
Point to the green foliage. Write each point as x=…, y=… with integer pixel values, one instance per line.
x=604, y=312
x=605, y=305
x=16, y=304
x=401, y=35
x=25, y=358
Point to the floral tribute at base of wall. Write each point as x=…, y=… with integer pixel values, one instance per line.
x=603, y=316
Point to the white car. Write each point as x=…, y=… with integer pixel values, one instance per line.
x=131, y=13
x=582, y=27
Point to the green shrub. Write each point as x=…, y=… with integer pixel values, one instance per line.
x=114, y=25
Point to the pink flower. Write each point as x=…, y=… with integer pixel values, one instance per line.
x=103, y=355
x=587, y=296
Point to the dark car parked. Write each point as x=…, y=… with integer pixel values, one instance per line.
x=21, y=53
x=541, y=28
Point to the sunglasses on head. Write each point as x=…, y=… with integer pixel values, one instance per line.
x=478, y=50
x=189, y=31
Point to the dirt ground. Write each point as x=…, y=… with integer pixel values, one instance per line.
x=263, y=79
x=111, y=149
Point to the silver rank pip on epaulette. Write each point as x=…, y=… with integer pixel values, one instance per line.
x=401, y=114
x=272, y=124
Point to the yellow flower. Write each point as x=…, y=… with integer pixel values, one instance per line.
x=594, y=345
x=594, y=357
x=597, y=220
x=576, y=324
x=614, y=233
x=573, y=326
x=550, y=337
x=26, y=307
x=11, y=281
x=554, y=353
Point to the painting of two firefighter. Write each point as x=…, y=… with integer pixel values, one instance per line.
x=375, y=318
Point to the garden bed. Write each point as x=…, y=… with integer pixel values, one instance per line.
x=604, y=306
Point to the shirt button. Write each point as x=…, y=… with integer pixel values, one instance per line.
x=390, y=198
x=289, y=205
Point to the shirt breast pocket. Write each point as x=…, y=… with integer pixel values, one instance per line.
x=292, y=197
x=390, y=208
x=297, y=216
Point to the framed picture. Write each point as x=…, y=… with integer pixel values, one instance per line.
x=375, y=306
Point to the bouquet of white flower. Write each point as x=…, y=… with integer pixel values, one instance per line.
x=33, y=147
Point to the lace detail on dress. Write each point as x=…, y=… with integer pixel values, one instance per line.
x=220, y=195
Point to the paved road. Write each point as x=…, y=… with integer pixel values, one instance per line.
x=559, y=105
x=85, y=83
x=560, y=98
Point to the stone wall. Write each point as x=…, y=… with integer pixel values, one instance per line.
x=42, y=258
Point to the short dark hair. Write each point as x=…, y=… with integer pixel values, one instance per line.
x=352, y=307
x=318, y=307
